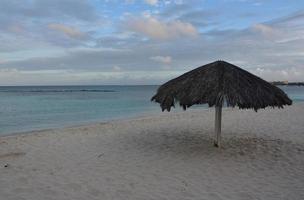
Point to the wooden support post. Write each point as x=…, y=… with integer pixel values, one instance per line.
x=217, y=129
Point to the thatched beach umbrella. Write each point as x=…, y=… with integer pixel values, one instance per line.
x=216, y=83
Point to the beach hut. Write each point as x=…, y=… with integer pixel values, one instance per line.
x=217, y=84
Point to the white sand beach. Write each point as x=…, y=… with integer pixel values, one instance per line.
x=166, y=156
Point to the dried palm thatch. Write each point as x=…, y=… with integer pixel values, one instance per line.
x=218, y=81
x=215, y=83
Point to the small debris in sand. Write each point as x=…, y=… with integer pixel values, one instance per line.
x=12, y=155
x=3, y=142
x=100, y=155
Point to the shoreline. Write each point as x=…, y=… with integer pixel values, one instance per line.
x=74, y=125
x=128, y=118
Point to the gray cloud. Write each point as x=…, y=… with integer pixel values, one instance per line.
x=272, y=49
x=156, y=29
x=47, y=9
x=200, y=18
x=296, y=16
x=28, y=22
x=187, y=13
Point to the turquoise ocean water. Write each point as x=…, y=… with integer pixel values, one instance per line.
x=26, y=108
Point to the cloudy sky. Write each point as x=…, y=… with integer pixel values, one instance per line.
x=59, y=42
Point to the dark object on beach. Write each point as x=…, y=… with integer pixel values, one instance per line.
x=216, y=83
x=100, y=155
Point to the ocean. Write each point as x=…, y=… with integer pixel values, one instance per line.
x=28, y=108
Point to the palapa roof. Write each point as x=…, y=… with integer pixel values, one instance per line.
x=217, y=82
